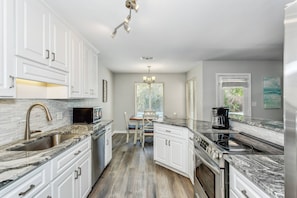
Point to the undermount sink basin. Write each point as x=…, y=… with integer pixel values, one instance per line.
x=44, y=142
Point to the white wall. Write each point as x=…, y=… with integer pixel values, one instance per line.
x=124, y=89
x=258, y=70
x=197, y=74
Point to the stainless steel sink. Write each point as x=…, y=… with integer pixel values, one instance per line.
x=44, y=142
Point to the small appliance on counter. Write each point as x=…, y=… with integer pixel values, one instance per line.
x=220, y=118
x=87, y=115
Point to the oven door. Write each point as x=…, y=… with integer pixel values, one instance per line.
x=209, y=178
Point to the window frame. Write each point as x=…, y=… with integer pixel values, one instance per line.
x=247, y=92
x=135, y=96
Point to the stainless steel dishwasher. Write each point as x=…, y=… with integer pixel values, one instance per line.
x=98, y=152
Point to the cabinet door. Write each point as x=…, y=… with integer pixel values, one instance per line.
x=90, y=72
x=32, y=31
x=84, y=181
x=44, y=193
x=65, y=185
x=108, y=148
x=59, y=44
x=191, y=158
x=178, y=154
x=6, y=76
x=161, y=149
x=76, y=65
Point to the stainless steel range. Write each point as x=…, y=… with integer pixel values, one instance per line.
x=211, y=172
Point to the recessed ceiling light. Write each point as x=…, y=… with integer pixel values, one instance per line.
x=146, y=58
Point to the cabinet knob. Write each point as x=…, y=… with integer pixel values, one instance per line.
x=244, y=193
x=12, y=82
x=47, y=54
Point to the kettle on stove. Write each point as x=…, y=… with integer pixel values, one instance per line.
x=220, y=118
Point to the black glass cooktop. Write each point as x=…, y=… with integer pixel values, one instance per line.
x=240, y=142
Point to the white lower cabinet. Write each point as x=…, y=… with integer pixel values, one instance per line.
x=66, y=175
x=241, y=187
x=75, y=181
x=31, y=184
x=171, y=147
x=72, y=172
x=108, y=144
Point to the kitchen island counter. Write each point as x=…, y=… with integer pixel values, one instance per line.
x=266, y=171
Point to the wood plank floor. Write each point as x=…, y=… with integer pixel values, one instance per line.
x=133, y=173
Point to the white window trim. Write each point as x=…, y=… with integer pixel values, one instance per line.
x=248, y=108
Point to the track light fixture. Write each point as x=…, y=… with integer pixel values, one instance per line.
x=131, y=5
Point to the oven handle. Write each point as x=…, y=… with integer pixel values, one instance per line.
x=208, y=164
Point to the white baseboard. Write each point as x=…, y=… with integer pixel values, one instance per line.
x=118, y=131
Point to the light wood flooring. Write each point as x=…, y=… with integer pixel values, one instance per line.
x=133, y=173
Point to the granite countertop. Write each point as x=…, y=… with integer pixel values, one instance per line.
x=15, y=164
x=266, y=171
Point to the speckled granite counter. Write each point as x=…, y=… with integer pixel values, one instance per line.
x=277, y=126
x=266, y=171
x=15, y=164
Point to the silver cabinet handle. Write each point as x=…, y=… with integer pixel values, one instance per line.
x=12, y=82
x=168, y=131
x=47, y=54
x=21, y=194
x=244, y=193
x=166, y=142
x=76, y=174
x=54, y=56
x=79, y=171
x=78, y=152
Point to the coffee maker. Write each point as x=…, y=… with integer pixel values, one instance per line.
x=220, y=118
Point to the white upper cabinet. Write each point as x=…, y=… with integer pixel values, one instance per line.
x=41, y=36
x=7, y=81
x=32, y=31
x=41, y=44
x=90, y=72
x=76, y=65
x=59, y=44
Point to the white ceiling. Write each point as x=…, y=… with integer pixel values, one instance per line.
x=178, y=34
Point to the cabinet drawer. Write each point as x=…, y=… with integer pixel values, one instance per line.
x=242, y=187
x=30, y=184
x=65, y=160
x=171, y=130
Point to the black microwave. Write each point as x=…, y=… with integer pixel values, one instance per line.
x=87, y=115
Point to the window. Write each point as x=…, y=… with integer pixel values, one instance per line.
x=234, y=92
x=149, y=97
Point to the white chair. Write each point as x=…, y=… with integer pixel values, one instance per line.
x=147, y=125
x=130, y=128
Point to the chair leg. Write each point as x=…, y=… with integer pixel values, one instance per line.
x=127, y=140
x=135, y=136
x=143, y=140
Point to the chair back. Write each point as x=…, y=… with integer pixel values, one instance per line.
x=147, y=121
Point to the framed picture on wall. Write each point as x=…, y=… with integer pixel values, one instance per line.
x=104, y=90
x=272, y=93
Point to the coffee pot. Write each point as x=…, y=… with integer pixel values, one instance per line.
x=220, y=118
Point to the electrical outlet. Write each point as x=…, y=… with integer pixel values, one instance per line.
x=59, y=115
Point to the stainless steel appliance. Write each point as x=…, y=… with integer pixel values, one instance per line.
x=211, y=170
x=87, y=115
x=98, y=152
x=220, y=118
x=290, y=100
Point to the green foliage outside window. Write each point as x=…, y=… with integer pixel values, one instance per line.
x=233, y=99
